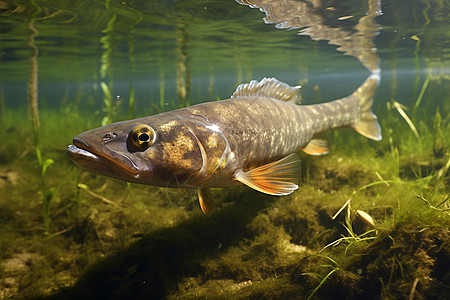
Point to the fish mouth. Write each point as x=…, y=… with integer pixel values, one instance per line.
x=79, y=152
x=87, y=158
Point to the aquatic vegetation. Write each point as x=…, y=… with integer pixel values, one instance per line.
x=132, y=58
x=183, y=65
x=109, y=105
x=162, y=99
x=2, y=109
x=47, y=192
x=253, y=245
x=108, y=238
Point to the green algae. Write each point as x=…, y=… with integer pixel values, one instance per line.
x=156, y=243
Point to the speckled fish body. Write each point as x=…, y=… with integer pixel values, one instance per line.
x=250, y=138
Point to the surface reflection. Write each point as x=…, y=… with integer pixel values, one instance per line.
x=321, y=21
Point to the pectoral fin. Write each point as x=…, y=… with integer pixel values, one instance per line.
x=206, y=202
x=277, y=178
x=316, y=147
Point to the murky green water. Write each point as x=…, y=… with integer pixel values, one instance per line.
x=70, y=66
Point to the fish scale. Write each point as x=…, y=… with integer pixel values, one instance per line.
x=248, y=139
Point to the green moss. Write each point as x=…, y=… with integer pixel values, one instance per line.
x=110, y=238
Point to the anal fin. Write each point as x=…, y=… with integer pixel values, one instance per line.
x=277, y=178
x=368, y=126
x=316, y=147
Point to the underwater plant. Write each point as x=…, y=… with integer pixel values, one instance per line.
x=109, y=107
x=131, y=55
x=2, y=108
x=46, y=191
x=183, y=80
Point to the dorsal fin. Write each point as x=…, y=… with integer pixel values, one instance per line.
x=269, y=88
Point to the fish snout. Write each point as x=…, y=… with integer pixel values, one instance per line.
x=80, y=144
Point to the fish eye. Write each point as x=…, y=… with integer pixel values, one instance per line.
x=142, y=136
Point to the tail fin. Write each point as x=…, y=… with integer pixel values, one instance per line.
x=368, y=125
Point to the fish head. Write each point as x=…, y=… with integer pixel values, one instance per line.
x=160, y=150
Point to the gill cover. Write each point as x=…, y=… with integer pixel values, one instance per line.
x=184, y=152
x=214, y=149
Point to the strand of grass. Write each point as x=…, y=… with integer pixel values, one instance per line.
x=420, y=97
x=131, y=102
x=381, y=179
x=360, y=240
x=358, y=237
x=332, y=244
x=400, y=266
x=402, y=112
x=416, y=56
x=436, y=129
x=162, y=100
x=392, y=147
x=337, y=242
x=48, y=194
x=349, y=228
x=386, y=182
x=329, y=258
x=2, y=109
x=322, y=282
x=442, y=171
x=391, y=274
x=343, y=239
x=416, y=64
x=55, y=190
x=418, y=181
x=313, y=274
x=353, y=238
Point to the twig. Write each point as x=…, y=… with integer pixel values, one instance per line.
x=433, y=207
x=400, y=110
x=102, y=198
x=413, y=289
x=381, y=179
x=341, y=209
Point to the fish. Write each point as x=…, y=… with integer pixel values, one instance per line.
x=251, y=138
